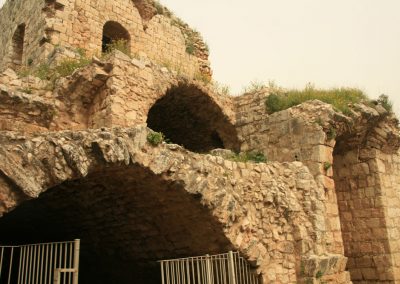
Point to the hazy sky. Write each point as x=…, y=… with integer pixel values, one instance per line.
x=354, y=43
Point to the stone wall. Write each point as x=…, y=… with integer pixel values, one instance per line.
x=348, y=158
x=294, y=135
x=269, y=212
x=12, y=15
x=79, y=24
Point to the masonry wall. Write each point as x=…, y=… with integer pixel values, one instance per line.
x=293, y=135
x=79, y=24
x=366, y=182
x=389, y=167
x=30, y=13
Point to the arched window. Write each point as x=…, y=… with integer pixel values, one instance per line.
x=17, y=46
x=113, y=32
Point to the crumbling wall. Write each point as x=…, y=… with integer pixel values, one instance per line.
x=269, y=212
x=79, y=24
x=294, y=135
x=13, y=14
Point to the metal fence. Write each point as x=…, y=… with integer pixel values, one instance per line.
x=227, y=268
x=46, y=263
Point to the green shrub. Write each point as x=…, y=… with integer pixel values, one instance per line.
x=68, y=66
x=319, y=274
x=155, y=138
x=190, y=48
x=118, y=44
x=327, y=166
x=202, y=77
x=384, y=101
x=26, y=90
x=43, y=71
x=253, y=156
x=338, y=98
x=159, y=8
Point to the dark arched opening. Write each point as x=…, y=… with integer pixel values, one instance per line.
x=189, y=117
x=18, y=46
x=126, y=218
x=112, y=32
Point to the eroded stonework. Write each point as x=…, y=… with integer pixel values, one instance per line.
x=76, y=161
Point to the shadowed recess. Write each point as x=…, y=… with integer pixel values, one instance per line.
x=127, y=219
x=189, y=117
x=114, y=31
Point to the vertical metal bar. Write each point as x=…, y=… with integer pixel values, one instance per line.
x=70, y=274
x=46, y=264
x=22, y=273
x=1, y=260
x=30, y=251
x=183, y=274
x=208, y=269
x=40, y=263
x=178, y=272
x=187, y=270
x=231, y=267
x=20, y=264
x=64, y=248
x=173, y=271
x=247, y=272
x=198, y=271
x=34, y=264
x=77, y=245
x=167, y=272
x=11, y=265
x=162, y=272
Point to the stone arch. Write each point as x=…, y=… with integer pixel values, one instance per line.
x=17, y=47
x=360, y=171
x=113, y=31
x=188, y=116
x=126, y=217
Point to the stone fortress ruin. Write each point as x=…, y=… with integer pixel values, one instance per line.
x=78, y=158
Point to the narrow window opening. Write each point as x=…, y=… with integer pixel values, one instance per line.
x=18, y=46
x=113, y=32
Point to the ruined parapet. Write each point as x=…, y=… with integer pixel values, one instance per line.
x=353, y=158
x=34, y=29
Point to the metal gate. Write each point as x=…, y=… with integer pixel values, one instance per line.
x=47, y=263
x=227, y=268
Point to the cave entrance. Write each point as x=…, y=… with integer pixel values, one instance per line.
x=189, y=117
x=114, y=32
x=17, y=47
x=127, y=219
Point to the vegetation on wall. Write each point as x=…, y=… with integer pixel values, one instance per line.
x=339, y=98
x=119, y=44
x=193, y=39
x=250, y=156
x=155, y=138
x=64, y=68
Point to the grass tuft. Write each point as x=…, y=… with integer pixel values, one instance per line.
x=119, y=44
x=339, y=98
x=155, y=138
x=253, y=156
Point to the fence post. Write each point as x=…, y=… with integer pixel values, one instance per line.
x=76, y=261
x=208, y=269
x=231, y=269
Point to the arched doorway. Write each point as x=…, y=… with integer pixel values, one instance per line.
x=189, y=117
x=112, y=32
x=17, y=48
x=126, y=217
